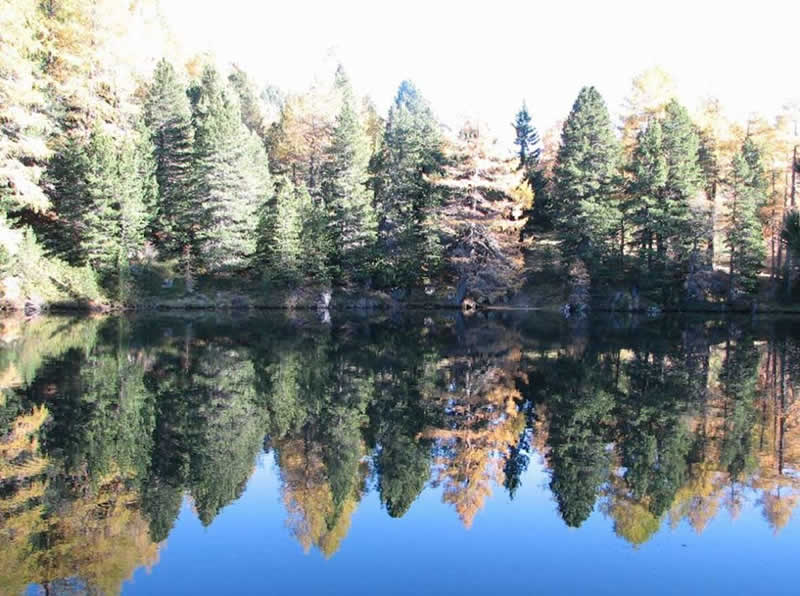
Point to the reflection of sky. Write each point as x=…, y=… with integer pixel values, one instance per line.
x=515, y=547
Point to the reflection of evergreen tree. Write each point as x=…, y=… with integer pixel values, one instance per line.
x=739, y=379
x=581, y=406
x=654, y=441
x=397, y=419
x=101, y=414
x=228, y=430
x=316, y=394
x=517, y=463
x=210, y=427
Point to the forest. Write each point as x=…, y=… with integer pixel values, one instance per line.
x=132, y=174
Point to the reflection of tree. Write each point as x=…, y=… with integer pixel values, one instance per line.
x=739, y=378
x=397, y=419
x=317, y=394
x=475, y=389
x=316, y=516
x=73, y=462
x=210, y=426
x=691, y=425
x=654, y=443
x=577, y=434
x=112, y=423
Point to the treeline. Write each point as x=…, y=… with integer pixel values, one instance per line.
x=126, y=165
x=202, y=173
x=659, y=208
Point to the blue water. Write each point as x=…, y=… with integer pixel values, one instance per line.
x=519, y=546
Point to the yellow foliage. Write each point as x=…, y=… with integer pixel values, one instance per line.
x=633, y=521
x=312, y=515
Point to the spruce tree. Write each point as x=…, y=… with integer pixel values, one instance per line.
x=137, y=192
x=649, y=171
x=585, y=178
x=744, y=237
x=406, y=198
x=526, y=139
x=352, y=223
x=101, y=232
x=292, y=236
x=678, y=229
x=168, y=116
x=250, y=106
x=230, y=179
x=83, y=179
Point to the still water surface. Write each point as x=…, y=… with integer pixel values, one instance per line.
x=424, y=454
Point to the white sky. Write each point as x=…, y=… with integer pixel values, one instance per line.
x=480, y=58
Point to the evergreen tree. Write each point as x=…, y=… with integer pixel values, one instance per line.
x=83, y=180
x=250, y=106
x=744, y=237
x=168, y=116
x=649, y=176
x=527, y=139
x=677, y=228
x=709, y=165
x=411, y=153
x=101, y=232
x=66, y=180
x=137, y=194
x=230, y=178
x=292, y=236
x=587, y=209
x=541, y=214
x=101, y=195
x=348, y=200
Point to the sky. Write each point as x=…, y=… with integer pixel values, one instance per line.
x=479, y=60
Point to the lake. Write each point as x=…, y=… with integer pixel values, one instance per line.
x=407, y=453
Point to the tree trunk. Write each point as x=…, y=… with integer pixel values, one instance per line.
x=734, y=223
x=187, y=269
x=712, y=215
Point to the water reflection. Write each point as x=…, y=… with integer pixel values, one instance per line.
x=107, y=423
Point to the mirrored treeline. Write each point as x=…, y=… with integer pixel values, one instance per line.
x=107, y=424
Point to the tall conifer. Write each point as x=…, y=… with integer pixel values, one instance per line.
x=168, y=116
x=352, y=223
x=586, y=173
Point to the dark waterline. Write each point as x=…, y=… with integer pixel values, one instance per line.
x=426, y=453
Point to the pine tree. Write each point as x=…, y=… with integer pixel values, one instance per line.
x=83, y=180
x=101, y=193
x=406, y=198
x=101, y=233
x=137, y=192
x=230, y=178
x=744, y=237
x=707, y=154
x=168, y=116
x=585, y=176
x=678, y=230
x=292, y=236
x=352, y=221
x=527, y=139
x=66, y=180
x=649, y=176
x=250, y=106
